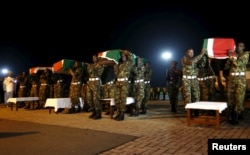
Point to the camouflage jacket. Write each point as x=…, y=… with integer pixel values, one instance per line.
x=238, y=64
x=123, y=70
x=204, y=68
x=174, y=77
x=95, y=70
x=139, y=71
x=76, y=74
x=148, y=74
x=189, y=65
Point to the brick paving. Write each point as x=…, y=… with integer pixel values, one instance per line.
x=159, y=132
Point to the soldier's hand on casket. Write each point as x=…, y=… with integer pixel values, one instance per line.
x=229, y=52
x=203, y=51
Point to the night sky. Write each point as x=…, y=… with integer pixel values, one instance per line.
x=44, y=34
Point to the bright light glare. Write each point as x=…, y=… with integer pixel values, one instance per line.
x=166, y=55
x=4, y=71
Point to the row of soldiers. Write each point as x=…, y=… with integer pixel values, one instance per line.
x=98, y=80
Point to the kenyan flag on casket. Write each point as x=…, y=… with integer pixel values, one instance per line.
x=113, y=55
x=63, y=66
x=218, y=47
x=35, y=70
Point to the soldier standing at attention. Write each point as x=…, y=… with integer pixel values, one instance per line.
x=173, y=85
x=34, y=83
x=138, y=72
x=95, y=71
x=44, y=88
x=75, y=87
x=23, y=86
x=190, y=83
x=236, y=86
x=59, y=88
x=122, y=71
x=147, y=76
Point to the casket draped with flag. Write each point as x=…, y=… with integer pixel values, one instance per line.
x=110, y=58
x=63, y=66
x=35, y=70
x=113, y=56
x=218, y=47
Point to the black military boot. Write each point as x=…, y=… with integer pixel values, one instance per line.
x=173, y=107
x=93, y=114
x=98, y=114
x=136, y=112
x=144, y=110
x=240, y=116
x=234, y=118
x=120, y=116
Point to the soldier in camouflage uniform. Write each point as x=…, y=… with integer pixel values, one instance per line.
x=138, y=74
x=34, y=82
x=147, y=79
x=173, y=85
x=44, y=88
x=122, y=71
x=75, y=87
x=206, y=79
x=236, y=86
x=95, y=71
x=23, y=87
x=59, y=88
x=190, y=83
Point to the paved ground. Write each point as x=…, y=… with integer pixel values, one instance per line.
x=157, y=132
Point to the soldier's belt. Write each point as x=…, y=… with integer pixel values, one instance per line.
x=205, y=78
x=137, y=81
x=146, y=81
x=34, y=85
x=43, y=84
x=210, y=77
x=189, y=77
x=202, y=79
x=93, y=79
x=111, y=82
x=238, y=73
x=22, y=86
x=75, y=83
x=122, y=79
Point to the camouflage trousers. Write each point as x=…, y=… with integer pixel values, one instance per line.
x=33, y=91
x=146, y=95
x=236, y=89
x=207, y=90
x=139, y=93
x=44, y=91
x=121, y=94
x=58, y=90
x=108, y=91
x=22, y=92
x=93, y=95
x=75, y=94
x=173, y=92
x=191, y=90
